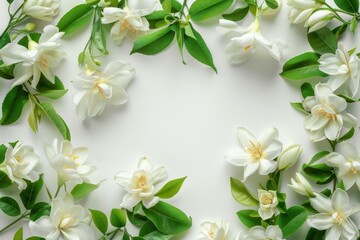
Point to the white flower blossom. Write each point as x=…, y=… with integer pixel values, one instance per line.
x=328, y=116
x=300, y=185
x=319, y=19
x=334, y=216
x=19, y=164
x=97, y=88
x=256, y=153
x=300, y=10
x=140, y=185
x=246, y=41
x=344, y=69
x=128, y=21
x=289, y=156
x=346, y=161
x=68, y=162
x=41, y=9
x=268, y=201
x=260, y=233
x=214, y=231
x=66, y=222
x=39, y=58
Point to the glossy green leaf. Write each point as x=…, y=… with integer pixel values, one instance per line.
x=5, y=39
x=241, y=194
x=25, y=40
x=167, y=218
x=55, y=118
x=315, y=234
x=13, y=105
x=175, y=5
x=323, y=41
x=19, y=234
x=348, y=5
x=3, y=150
x=149, y=232
x=299, y=106
x=179, y=35
x=204, y=9
x=4, y=180
x=98, y=36
x=303, y=66
x=307, y=90
x=9, y=206
x=118, y=217
x=40, y=209
x=167, y=5
x=53, y=94
x=340, y=30
x=30, y=193
x=92, y=2
x=153, y=43
x=171, y=188
x=83, y=189
x=75, y=19
x=321, y=173
x=246, y=219
x=6, y=71
x=136, y=219
x=35, y=238
x=157, y=18
x=46, y=86
x=10, y=1
x=272, y=4
x=292, y=220
x=348, y=99
x=100, y=220
x=236, y=15
x=353, y=24
x=347, y=135
x=318, y=156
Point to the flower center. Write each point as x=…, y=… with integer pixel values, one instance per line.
x=246, y=48
x=337, y=218
x=141, y=181
x=43, y=61
x=127, y=25
x=353, y=170
x=330, y=116
x=67, y=221
x=211, y=234
x=266, y=199
x=255, y=150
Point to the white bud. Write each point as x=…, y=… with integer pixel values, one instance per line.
x=319, y=19
x=300, y=185
x=289, y=156
x=29, y=27
x=265, y=10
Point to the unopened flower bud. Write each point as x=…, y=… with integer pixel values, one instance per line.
x=300, y=185
x=29, y=27
x=289, y=156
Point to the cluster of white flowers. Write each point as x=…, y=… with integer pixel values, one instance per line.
x=261, y=233
x=214, y=231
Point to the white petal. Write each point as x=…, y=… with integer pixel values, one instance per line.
x=321, y=221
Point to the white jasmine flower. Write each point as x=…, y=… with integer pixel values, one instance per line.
x=319, y=19
x=213, y=231
x=328, y=116
x=289, y=156
x=41, y=9
x=344, y=69
x=97, y=88
x=300, y=185
x=66, y=222
x=38, y=58
x=256, y=153
x=128, y=21
x=346, y=162
x=334, y=216
x=68, y=162
x=260, y=233
x=300, y=10
x=246, y=41
x=19, y=164
x=140, y=185
x=265, y=10
x=268, y=201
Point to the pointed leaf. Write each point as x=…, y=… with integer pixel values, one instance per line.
x=171, y=188
x=118, y=217
x=75, y=19
x=204, y=9
x=30, y=193
x=292, y=220
x=241, y=194
x=83, y=189
x=100, y=220
x=13, y=105
x=9, y=206
x=323, y=41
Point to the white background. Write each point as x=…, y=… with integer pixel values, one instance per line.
x=181, y=116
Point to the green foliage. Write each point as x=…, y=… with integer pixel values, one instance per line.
x=171, y=188
x=40, y=209
x=98, y=37
x=292, y=220
x=347, y=135
x=307, y=90
x=9, y=206
x=157, y=18
x=204, y=9
x=241, y=194
x=83, y=189
x=323, y=41
x=135, y=218
x=237, y=14
x=6, y=71
x=4, y=180
x=118, y=217
x=19, y=234
x=30, y=193
x=245, y=216
x=321, y=173
x=75, y=19
x=272, y=4
x=315, y=234
x=299, y=106
x=318, y=156
x=348, y=5
x=13, y=105
x=172, y=6
x=100, y=220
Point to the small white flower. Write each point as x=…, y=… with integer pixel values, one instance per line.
x=66, y=222
x=97, y=88
x=260, y=233
x=289, y=156
x=334, y=216
x=128, y=21
x=268, y=201
x=246, y=41
x=140, y=185
x=300, y=185
x=344, y=70
x=300, y=10
x=41, y=9
x=265, y=10
x=213, y=231
x=347, y=163
x=319, y=19
x=256, y=154
x=68, y=162
x=328, y=116
x=38, y=58
x=19, y=164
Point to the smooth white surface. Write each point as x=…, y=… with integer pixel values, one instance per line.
x=182, y=117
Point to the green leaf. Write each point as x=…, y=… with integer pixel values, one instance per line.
x=46, y=86
x=323, y=41
x=236, y=15
x=353, y=24
x=149, y=232
x=241, y=194
x=318, y=156
x=25, y=40
x=321, y=173
x=117, y=217
x=171, y=188
x=13, y=105
x=167, y=5
x=348, y=5
x=157, y=18
x=307, y=90
x=40, y=209
x=303, y=66
x=126, y=235
x=299, y=106
x=53, y=94
x=153, y=43
x=339, y=30
x=348, y=99
x=179, y=35
x=197, y=47
x=100, y=220
x=167, y=218
x=4, y=180
x=246, y=219
x=272, y=4
x=92, y=2
x=3, y=150
x=5, y=39
x=315, y=234
x=83, y=189
x=9, y=206
x=136, y=219
x=98, y=37
x=147, y=228
x=75, y=19
x=10, y=1
x=6, y=71
x=292, y=220
x=55, y=118
x=35, y=238
x=19, y=234
x=347, y=135
x=30, y=193
x=175, y=5
x=204, y=9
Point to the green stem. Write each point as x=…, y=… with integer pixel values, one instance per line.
x=335, y=184
x=335, y=12
x=114, y=234
x=58, y=190
x=183, y=8
x=11, y=22
x=24, y=215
